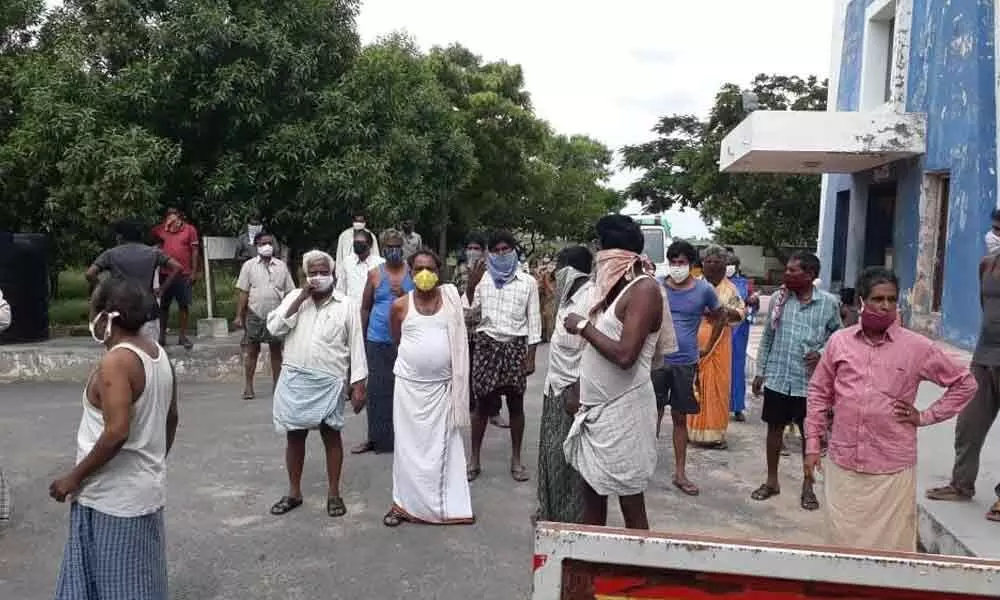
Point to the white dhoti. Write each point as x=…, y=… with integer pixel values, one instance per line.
x=430, y=405
x=871, y=512
x=429, y=482
x=613, y=445
x=306, y=399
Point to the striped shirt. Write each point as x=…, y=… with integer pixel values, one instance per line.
x=510, y=312
x=803, y=328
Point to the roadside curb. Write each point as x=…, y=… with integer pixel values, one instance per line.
x=60, y=361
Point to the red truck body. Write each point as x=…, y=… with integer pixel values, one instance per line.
x=592, y=563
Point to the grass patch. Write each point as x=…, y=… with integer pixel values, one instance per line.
x=71, y=308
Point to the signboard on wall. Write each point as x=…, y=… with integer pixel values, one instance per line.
x=575, y=562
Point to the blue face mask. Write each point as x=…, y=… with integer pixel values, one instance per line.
x=393, y=255
x=502, y=267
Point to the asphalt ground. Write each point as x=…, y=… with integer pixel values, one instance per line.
x=227, y=469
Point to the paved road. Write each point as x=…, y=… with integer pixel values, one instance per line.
x=227, y=469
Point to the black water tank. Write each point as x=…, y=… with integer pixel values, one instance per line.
x=24, y=280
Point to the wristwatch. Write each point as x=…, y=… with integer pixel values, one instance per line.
x=582, y=325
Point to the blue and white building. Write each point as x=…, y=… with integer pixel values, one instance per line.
x=908, y=150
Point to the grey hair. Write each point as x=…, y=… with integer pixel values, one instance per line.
x=316, y=256
x=715, y=250
x=390, y=234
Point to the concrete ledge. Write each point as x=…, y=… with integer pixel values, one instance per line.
x=70, y=360
x=935, y=537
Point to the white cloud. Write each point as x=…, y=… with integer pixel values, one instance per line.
x=611, y=70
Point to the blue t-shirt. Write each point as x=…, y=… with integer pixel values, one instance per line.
x=687, y=307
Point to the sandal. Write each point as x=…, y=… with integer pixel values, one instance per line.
x=765, y=492
x=994, y=513
x=948, y=493
x=285, y=505
x=335, y=506
x=687, y=487
x=519, y=473
x=392, y=519
x=473, y=473
x=809, y=501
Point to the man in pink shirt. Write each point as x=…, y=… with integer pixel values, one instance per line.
x=869, y=375
x=179, y=241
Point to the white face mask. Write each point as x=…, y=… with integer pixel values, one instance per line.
x=266, y=250
x=730, y=271
x=107, y=326
x=358, y=225
x=992, y=242
x=679, y=273
x=321, y=283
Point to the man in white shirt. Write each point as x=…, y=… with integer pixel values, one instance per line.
x=353, y=270
x=324, y=353
x=559, y=499
x=509, y=329
x=345, y=243
x=263, y=282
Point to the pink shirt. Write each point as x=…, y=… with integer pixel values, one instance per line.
x=860, y=381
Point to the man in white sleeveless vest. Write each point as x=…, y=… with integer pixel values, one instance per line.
x=612, y=441
x=116, y=541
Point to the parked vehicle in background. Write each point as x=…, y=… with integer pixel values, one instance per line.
x=577, y=562
x=656, y=231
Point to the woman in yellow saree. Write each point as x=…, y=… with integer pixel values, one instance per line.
x=715, y=341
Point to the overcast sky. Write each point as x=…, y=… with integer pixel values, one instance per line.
x=610, y=70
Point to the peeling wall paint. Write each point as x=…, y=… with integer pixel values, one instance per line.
x=951, y=78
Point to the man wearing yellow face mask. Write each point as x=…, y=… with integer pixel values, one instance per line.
x=430, y=404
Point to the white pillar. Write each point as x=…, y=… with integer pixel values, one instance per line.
x=854, y=256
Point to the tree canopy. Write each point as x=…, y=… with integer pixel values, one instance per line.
x=121, y=109
x=681, y=168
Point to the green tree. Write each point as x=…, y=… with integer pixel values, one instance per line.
x=681, y=168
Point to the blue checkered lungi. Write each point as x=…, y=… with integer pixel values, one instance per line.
x=113, y=558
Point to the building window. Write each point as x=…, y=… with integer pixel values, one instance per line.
x=943, y=187
x=878, y=54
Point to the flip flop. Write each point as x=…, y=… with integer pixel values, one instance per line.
x=765, y=492
x=994, y=512
x=688, y=488
x=392, y=519
x=519, y=473
x=285, y=505
x=473, y=473
x=335, y=506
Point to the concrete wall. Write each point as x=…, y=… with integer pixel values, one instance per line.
x=951, y=77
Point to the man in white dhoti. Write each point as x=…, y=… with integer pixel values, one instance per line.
x=431, y=401
x=324, y=346
x=612, y=441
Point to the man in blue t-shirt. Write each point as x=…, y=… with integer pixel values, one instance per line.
x=690, y=299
